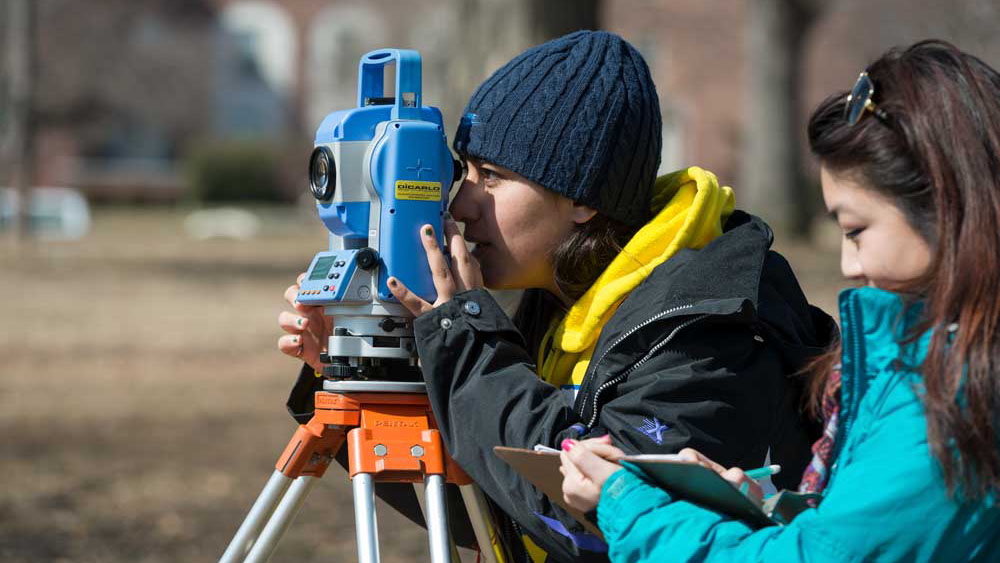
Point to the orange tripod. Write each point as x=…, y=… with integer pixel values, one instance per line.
x=391, y=436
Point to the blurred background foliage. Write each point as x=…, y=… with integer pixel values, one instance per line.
x=235, y=170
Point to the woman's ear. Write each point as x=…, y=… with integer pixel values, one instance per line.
x=581, y=213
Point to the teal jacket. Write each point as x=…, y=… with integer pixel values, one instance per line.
x=885, y=500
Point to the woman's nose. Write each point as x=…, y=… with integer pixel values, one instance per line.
x=463, y=207
x=850, y=265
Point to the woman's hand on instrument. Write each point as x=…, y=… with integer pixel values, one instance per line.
x=308, y=329
x=464, y=272
x=586, y=465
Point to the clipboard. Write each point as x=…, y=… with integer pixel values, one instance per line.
x=684, y=480
x=541, y=469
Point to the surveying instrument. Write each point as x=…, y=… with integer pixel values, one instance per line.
x=379, y=172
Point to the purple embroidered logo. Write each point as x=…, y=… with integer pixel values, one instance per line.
x=653, y=428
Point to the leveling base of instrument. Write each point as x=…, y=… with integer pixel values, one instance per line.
x=391, y=436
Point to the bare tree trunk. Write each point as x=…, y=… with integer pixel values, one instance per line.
x=553, y=18
x=491, y=32
x=21, y=66
x=773, y=183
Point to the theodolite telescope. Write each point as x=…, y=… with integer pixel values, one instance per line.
x=378, y=172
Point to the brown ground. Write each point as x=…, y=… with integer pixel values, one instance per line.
x=142, y=396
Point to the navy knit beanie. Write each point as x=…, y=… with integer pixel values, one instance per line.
x=578, y=115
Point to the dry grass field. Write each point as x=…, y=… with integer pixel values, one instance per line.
x=142, y=395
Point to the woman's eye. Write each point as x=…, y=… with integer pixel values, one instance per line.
x=489, y=174
x=853, y=233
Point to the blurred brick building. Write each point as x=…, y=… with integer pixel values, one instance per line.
x=280, y=65
x=695, y=48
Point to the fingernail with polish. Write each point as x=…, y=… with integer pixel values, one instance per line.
x=392, y=282
x=429, y=231
x=300, y=321
x=567, y=444
x=295, y=340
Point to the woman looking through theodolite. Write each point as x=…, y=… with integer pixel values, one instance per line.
x=653, y=313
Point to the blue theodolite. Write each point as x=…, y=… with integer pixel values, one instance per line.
x=379, y=172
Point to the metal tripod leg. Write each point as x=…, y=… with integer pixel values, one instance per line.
x=259, y=513
x=491, y=549
x=365, y=525
x=437, y=519
x=280, y=520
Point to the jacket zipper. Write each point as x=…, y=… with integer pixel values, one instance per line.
x=593, y=366
x=845, y=424
x=624, y=375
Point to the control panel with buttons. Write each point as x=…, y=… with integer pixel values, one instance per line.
x=328, y=278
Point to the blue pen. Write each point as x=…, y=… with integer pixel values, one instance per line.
x=762, y=472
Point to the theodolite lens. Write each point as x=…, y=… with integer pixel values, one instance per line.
x=322, y=173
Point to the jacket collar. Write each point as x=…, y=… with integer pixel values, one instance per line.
x=691, y=278
x=734, y=275
x=875, y=328
x=693, y=214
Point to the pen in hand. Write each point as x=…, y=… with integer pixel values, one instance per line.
x=762, y=472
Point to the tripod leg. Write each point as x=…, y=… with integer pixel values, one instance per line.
x=437, y=519
x=259, y=513
x=280, y=520
x=418, y=490
x=490, y=547
x=365, y=525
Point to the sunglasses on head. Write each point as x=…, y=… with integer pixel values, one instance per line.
x=860, y=99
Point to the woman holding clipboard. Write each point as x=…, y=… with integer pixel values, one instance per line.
x=909, y=464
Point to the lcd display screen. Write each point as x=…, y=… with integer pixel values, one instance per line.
x=322, y=268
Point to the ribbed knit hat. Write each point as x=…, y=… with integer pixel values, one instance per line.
x=578, y=115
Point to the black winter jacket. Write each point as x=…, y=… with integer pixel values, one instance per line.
x=702, y=354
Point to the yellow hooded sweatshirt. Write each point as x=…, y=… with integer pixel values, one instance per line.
x=693, y=208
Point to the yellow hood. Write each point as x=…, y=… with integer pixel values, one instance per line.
x=693, y=208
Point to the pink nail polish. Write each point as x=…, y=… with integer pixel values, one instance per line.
x=567, y=444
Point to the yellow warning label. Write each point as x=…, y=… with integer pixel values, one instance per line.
x=418, y=191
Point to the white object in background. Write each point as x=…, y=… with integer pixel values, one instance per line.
x=222, y=222
x=53, y=213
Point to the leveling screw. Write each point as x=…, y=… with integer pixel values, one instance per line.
x=381, y=450
x=417, y=451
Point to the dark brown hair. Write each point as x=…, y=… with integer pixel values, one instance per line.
x=935, y=155
x=577, y=263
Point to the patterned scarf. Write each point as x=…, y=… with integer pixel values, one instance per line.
x=816, y=475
